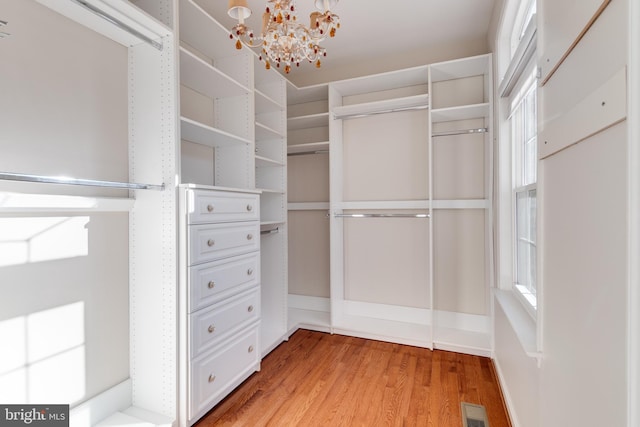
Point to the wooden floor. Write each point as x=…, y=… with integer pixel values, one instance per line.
x=317, y=379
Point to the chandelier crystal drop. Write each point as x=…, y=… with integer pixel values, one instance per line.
x=284, y=40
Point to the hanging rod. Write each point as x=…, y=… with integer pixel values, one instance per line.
x=370, y=215
x=460, y=132
x=373, y=113
x=118, y=23
x=272, y=231
x=10, y=176
x=303, y=153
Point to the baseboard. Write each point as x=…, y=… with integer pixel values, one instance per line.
x=511, y=413
x=107, y=403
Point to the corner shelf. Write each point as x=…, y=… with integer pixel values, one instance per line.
x=206, y=79
x=308, y=121
x=465, y=112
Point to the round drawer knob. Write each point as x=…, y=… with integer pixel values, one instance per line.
x=212, y=378
x=211, y=284
x=250, y=309
x=211, y=329
x=249, y=236
x=209, y=208
x=211, y=242
x=250, y=272
x=249, y=208
x=250, y=349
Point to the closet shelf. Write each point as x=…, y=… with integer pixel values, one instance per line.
x=267, y=191
x=308, y=148
x=465, y=112
x=22, y=203
x=118, y=21
x=266, y=104
x=461, y=68
x=264, y=162
x=199, y=30
x=10, y=176
x=416, y=102
x=199, y=133
x=206, y=79
x=309, y=121
x=265, y=132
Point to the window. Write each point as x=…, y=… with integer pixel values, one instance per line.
x=518, y=139
x=524, y=148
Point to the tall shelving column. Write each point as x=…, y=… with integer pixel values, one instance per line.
x=270, y=97
x=379, y=206
x=216, y=104
x=308, y=193
x=461, y=140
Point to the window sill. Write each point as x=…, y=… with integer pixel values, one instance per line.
x=521, y=322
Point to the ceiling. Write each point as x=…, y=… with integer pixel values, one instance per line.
x=378, y=36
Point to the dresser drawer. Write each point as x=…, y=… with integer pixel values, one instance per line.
x=219, y=206
x=215, y=374
x=212, y=324
x=211, y=282
x=215, y=241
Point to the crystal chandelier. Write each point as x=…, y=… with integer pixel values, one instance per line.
x=285, y=40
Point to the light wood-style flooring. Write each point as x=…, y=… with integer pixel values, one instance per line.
x=318, y=379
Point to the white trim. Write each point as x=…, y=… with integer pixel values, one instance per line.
x=520, y=61
x=100, y=407
x=303, y=302
x=511, y=408
x=521, y=322
x=633, y=328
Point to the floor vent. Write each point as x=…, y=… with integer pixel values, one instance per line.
x=474, y=415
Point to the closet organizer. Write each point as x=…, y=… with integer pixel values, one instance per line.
x=407, y=209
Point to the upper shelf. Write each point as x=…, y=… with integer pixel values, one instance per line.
x=475, y=111
x=204, y=78
x=384, y=81
x=118, y=21
x=461, y=68
x=191, y=130
x=384, y=106
x=266, y=104
x=309, y=121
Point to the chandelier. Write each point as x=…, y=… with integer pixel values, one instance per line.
x=285, y=40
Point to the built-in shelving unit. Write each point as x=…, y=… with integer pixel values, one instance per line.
x=460, y=119
x=308, y=175
x=270, y=98
x=216, y=104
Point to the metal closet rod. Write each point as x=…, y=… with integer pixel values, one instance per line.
x=10, y=176
x=371, y=215
x=118, y=23
x=304, y=153
x=373, y=113
x=272, y=231
x=460, y=132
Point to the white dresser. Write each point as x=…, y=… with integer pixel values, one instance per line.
x=220, y=295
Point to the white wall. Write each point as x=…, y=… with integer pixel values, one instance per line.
x=583, y=194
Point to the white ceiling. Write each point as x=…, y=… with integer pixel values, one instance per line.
x=378, y=35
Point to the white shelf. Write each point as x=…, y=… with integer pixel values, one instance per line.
x=266, y=223
x=265, y=132
x=460, y=68
x=267, y=191
x=47, y=203
x=311, y=146
x=200, y=30
x=377, y=107
x=266, y=104
x=307, y=94
x=310, y=121
x=266, y=162
x=465, y=112
x=206, y=79
x=123, y=11
x=197, y=132
x=391, y=80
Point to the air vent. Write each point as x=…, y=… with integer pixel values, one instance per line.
x=474, y=415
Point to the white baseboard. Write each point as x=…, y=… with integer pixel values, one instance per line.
x=303, y=302
x=96, y=409
x=511, y=413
